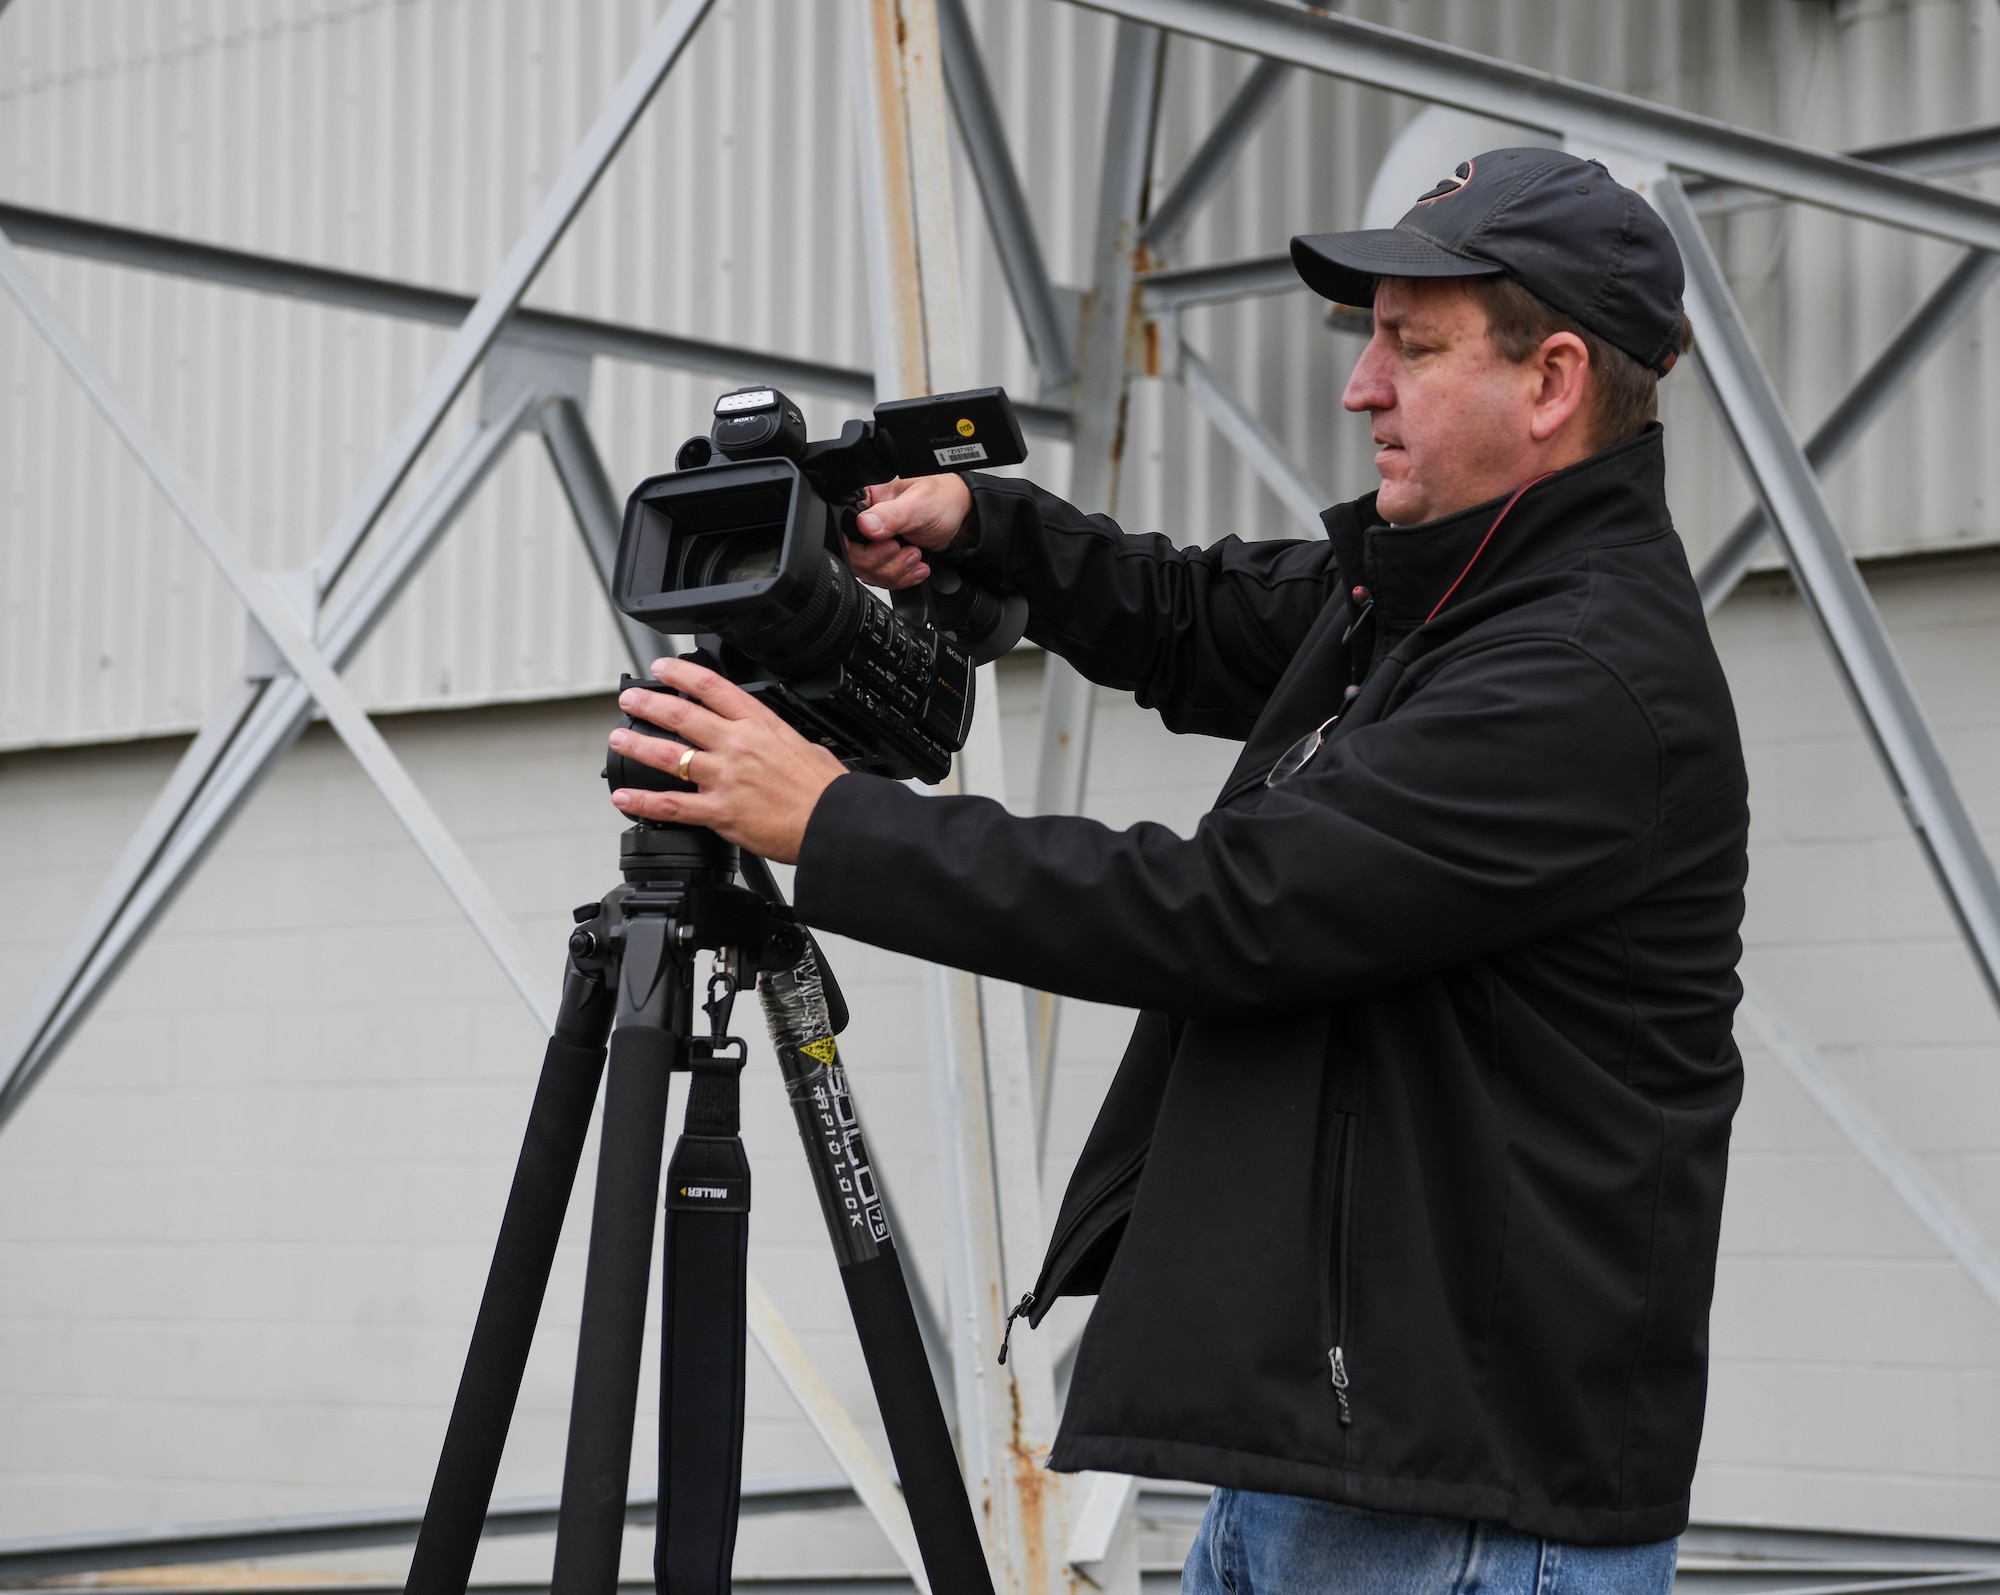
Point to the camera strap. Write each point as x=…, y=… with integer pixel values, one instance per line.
x=704, y=1322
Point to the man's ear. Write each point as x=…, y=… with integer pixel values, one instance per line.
x=1563, y=375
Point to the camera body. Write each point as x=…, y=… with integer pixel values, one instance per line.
x=745, y=545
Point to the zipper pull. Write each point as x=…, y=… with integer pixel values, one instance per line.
x=1365, y=606
x=1338, y=1359
x=1026, y=1303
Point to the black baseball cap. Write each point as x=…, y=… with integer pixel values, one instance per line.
x=1562, y=227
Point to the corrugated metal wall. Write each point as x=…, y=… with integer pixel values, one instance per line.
x=414, y=137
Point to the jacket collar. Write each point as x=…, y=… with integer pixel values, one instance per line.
x=1612, y=497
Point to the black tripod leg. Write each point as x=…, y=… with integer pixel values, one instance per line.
x=515, y=1284
x=877, y=1294
x=590, y=1528
x=926, y=1463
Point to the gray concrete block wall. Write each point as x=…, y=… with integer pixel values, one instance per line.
x=1857, y=1369
x=243, y=1224
x=244, y=1221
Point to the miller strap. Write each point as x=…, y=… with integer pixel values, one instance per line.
x=704, y=1322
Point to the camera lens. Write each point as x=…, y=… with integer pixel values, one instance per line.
x=812, y=637
x=744, y=557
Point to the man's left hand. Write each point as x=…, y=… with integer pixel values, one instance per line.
x=758, y=778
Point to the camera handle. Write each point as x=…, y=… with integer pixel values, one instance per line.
x=986, y=623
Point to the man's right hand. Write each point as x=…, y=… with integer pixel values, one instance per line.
x=904, y=521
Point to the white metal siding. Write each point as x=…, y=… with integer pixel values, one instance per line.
x=414, y=138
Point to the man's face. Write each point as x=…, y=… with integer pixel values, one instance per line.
x=1451, y=419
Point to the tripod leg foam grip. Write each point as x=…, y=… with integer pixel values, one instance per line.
x=590, y=1529
x=927, y=1465
x=703, y=1339
x=505, y=1329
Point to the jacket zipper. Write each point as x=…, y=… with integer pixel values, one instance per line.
x=1022, y=1308
x=1342, y=1269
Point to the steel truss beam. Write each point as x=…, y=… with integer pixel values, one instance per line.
x=1036, y=300
x=981, y=1084
x=1961, y=149
x=386, y=296
x=239, y=745
x=42, y=1556
x=1961, y=864
x=1832, y=587
x=287, y=631
x=1869, y=395
x=503, y=294
x=587, y=486
x=1106, y=339
x=257, y=722
x=1110, y=331
x=1403, y=63
x=1302, y=497
x=1212, y=160
x=1162, y=292
x=72, y=988
x=1931, y=1204
x=1714, y=1556
x=988, y=1087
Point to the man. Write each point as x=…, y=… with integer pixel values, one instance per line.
x=1402, y=1209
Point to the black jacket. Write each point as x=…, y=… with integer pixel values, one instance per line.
x=1407, y=1191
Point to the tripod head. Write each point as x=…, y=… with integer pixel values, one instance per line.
x=665, y=856
x=666, y=853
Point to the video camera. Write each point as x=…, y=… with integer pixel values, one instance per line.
x=744, y=543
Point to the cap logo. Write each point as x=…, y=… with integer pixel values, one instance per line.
x=1449, y=185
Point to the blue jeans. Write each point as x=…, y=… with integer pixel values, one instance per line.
x=1251, y=1544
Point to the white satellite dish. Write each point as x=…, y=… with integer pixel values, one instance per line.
x=1436, y=140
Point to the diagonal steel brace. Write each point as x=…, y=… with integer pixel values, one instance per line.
x=517, y=273
x=240, y=744
x=1831, y=585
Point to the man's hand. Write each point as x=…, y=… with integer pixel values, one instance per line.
x=759, y=778
x=904, y=521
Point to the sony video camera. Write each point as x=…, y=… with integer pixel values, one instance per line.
x=744, y=543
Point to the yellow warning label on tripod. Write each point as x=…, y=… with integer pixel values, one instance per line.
x=822, y=1049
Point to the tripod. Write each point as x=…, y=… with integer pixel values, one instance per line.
x=630, y=977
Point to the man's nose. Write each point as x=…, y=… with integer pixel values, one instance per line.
x=1367, y=385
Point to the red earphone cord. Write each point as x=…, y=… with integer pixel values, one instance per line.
x=1483, y=542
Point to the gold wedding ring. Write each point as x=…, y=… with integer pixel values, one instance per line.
x=687, y=758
